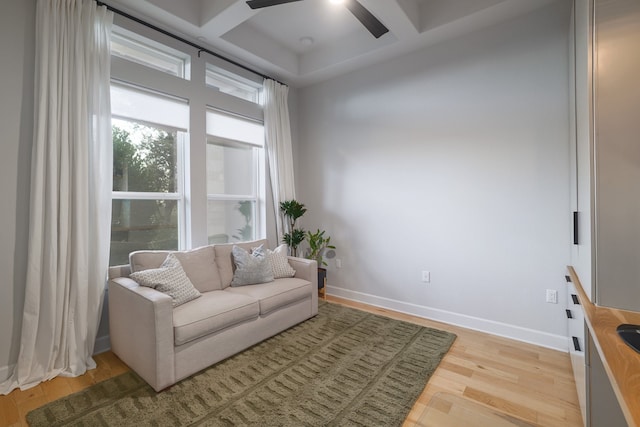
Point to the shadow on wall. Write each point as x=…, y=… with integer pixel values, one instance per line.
x=23, y=181
x=102, y=340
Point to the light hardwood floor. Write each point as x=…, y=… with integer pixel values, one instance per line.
x=523, y=381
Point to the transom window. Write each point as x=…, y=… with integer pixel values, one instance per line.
x=141, y=50
x=232, y=84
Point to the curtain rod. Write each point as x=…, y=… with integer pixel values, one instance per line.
x=183, y=40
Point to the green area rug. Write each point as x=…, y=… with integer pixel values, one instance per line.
x=342, y=367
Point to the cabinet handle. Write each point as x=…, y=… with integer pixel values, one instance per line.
x=575, y=227
x=576, y=344
x=569, y=315
x=575, y=299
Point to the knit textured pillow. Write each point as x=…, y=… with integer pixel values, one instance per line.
x=251, y=268
x=170, y=279
x=279, y=262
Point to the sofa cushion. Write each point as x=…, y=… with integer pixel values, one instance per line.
x=251, y=268
x=169, y=279
x=224, y=259
x=146, y=260
x=276, y=294
x=199, y=264
x=212, y=312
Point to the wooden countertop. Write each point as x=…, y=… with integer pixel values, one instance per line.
x=620, y=361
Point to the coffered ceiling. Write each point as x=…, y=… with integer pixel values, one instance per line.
x=308, y=41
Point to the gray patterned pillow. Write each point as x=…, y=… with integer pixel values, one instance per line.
x=170, y=279
x=251, y=268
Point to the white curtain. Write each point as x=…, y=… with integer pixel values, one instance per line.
x=278, y=140
x=70, y=206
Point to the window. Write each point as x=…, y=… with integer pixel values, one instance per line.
x=235, y=183
x=180, y=181
x=148, y=136
x=138, y=49
x=232, y=84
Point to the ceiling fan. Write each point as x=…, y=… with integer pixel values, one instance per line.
x=375, y=27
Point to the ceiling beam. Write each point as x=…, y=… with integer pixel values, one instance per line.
x=220, y=17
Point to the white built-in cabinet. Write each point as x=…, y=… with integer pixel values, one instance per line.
x=605, y=190
x=616, y=153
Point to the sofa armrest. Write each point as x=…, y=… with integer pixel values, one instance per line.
x=307, y=269
x=119, y=271
x=141, y=330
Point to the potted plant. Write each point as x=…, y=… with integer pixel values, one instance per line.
x=318, y=245
x=292, y=210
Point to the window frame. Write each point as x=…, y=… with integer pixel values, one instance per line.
x=181, y=139
x=179, y=195
x=259, y=167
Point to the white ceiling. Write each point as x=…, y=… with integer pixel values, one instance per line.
x=271, y=39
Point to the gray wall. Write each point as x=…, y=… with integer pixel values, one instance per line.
x=454, y=159
x=17, y=47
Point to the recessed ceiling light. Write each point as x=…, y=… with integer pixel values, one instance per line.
x=306, y=41
x=336, y=1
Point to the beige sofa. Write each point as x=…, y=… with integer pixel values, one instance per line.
x=164, y=345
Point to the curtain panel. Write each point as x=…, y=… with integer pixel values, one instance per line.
x=278, y=144
x=70, y=205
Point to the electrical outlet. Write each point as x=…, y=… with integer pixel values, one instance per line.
x=426, y=276
x=338, y=263
x=552, y=296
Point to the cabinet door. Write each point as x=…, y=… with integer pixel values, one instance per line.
x=581, y=137
x=617, y=152
x=604, y=409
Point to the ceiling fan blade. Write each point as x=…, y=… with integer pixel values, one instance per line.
x=258, y=4
x=375, y=27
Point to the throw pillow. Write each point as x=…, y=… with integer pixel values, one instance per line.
x=251, y=268
x=279, y=262
x=170, y=279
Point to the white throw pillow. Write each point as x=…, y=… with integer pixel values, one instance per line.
x=170, y=279
x=279, y=262
x=251, y=268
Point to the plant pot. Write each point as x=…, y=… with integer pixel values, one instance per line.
x=322, y=282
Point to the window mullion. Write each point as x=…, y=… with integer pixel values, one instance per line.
x=182, y=140
x=138, y=195
x=230, y=197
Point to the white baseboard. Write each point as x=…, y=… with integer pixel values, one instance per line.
x=5, y=371
x=102, y=344
x=543, y=339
